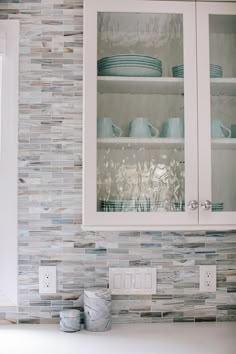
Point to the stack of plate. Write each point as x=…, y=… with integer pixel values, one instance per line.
x=219, y=206
x=129, y=65
x=178, y=71
x=215, y=71
x=145, y=205
x=179, y=206
x=129, y=205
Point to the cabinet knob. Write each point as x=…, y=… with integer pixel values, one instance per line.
x=193, y=205
x=206, y=205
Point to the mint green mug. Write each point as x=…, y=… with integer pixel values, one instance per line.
x=107, y=129
x=218, y=130
x=141, y=128
x=173, y=128
x=233, y=130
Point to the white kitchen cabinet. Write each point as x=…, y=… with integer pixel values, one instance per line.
x=140, y=182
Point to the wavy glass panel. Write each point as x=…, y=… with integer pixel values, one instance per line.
x=140, y=177
x=223, y=111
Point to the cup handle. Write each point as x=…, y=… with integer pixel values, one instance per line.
x=156, y=132
x=119, y=130
x=228, y=130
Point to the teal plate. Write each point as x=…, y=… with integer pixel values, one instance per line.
x=178, y=72
x=178, y=67
x=115, y=62
x=179, y=75
x=130, y=56
x=131, y=71
x=129, y=63
x=215, y=76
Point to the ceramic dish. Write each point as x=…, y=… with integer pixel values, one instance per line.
x=120, y=60
x=215, y=71
x=124, y=63
x=137, y=70
x=130, y=56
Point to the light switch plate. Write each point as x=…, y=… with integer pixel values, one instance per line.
x=128, y=281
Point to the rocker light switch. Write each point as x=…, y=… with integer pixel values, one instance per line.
x=138, y=281
x=128, y=281
x=117, y=281
x=147, y=281
x=132, y=281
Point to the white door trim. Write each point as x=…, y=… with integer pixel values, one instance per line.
x=9, y=165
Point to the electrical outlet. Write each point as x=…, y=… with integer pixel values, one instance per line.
x=208, y=278
x=47, y=280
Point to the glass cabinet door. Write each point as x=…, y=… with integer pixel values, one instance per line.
x=140, y=114
x=217, y=113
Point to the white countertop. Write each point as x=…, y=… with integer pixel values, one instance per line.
x=160, y=338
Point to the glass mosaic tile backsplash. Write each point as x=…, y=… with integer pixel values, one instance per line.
x=50, y=196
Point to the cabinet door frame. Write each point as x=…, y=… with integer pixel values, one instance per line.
x=207, y=217
x=91, y=217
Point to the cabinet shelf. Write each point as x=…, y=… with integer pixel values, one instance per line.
x=163, y=143
x=223, y=87
x=160, y=85
x=224, y=144
x=148, y=85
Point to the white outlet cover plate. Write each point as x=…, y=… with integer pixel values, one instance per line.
x=47, y=279
x=207, y=278
x=131, y=281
